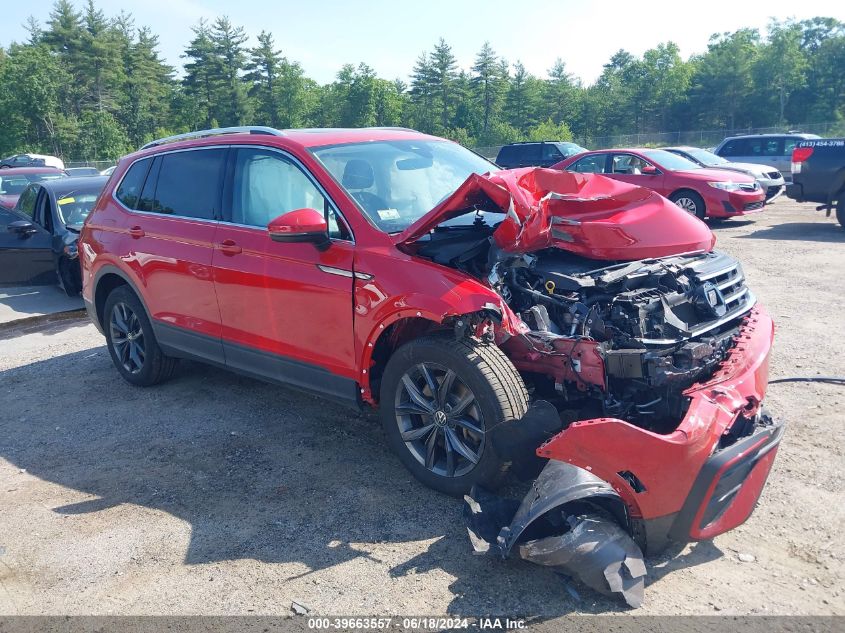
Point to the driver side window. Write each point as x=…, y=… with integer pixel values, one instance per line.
x=628, y=164
x=26, y=203
x=266, y=185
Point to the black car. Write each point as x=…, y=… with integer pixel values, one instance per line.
x=818, y=175
x=38, y=238
x=536, y=153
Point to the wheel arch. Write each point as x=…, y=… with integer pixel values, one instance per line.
x=107, y=279
x=388, y=337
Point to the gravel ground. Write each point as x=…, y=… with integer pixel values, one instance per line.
x=217, y=494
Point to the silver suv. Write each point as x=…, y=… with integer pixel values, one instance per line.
x=763, y=149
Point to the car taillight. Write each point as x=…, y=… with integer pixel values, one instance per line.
x=799, y=155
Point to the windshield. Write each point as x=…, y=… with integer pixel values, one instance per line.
x=75, y=206
x=397, y=182
x=670, y=161
x=705, y=157
x=571, y=149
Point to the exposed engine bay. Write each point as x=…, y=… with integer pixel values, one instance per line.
x=620, y=339
x=620, y=319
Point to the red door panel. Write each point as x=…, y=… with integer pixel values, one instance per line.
x=273, y=297
x=172, y=257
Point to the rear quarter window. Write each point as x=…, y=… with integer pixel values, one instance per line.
x=507, y=155
x=129, y=190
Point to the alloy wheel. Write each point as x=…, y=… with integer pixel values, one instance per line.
x=127, y=337
x=439, y=420
x=688, y=205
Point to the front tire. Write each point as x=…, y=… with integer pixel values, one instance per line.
x=131, y=341
x=442, y=401
x=690, y=202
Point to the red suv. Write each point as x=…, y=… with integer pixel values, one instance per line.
x=703, y=192
x=498, y=319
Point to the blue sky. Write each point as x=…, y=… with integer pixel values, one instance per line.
x=389, y=35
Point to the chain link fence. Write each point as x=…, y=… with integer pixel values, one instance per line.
x=697, y=138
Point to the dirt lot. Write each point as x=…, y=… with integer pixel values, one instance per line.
x=218, y=494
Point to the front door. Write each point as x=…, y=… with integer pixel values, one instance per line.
x=286, y=308
x=634, y=170
x=26, y=255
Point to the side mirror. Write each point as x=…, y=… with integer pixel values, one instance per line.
x=302, y=225
x=649, y=170
x=22, y=228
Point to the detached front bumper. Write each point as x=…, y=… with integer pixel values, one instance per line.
x=704, y=478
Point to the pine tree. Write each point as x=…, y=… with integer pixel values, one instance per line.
x=228, y=45
x=263, y=70
x=422, y=93
x=488, y=82
x=202, y=73
x=445, y=70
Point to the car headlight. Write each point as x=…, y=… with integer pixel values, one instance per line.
x=725, y=186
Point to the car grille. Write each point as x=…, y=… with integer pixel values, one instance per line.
x=773, y=191
x=751, y=206
x=726, y=274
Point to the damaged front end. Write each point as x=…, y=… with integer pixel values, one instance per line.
x=646, y=358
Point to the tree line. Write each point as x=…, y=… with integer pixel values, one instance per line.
x=87, y=85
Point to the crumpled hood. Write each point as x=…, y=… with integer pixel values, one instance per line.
x=587, y=214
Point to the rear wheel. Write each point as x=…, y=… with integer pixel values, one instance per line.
x=131, y=341
x=442, y=401
x=690, y=202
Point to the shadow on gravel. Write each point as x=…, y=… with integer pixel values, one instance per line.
x=733, y=223
x=802, y=231
x=259, y=472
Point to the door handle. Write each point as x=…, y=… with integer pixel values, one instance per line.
x=228, y=247
x=136, y=232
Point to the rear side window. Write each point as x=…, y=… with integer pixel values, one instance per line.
x=189, y=183
x=129, y=190
x=530, y=153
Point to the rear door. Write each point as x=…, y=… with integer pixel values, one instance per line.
x=171, y=227
x=26, y=257
x=286, y=308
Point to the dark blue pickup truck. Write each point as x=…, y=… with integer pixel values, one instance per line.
x=818, y=175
